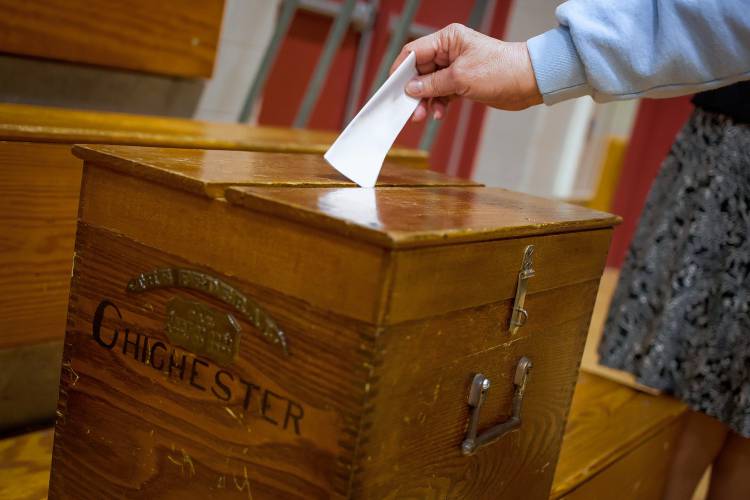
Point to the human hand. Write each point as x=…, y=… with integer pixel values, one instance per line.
x=460, y=62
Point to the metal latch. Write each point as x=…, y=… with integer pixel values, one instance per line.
x=519, y=315
x=478, y=394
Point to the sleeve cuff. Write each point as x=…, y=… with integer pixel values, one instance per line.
x=560, y=74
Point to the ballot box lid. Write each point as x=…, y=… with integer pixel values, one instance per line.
x=396, y=217
x=19, y=122
x=210, y=172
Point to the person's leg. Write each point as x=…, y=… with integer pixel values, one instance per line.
x=700, y=442
x=730, y=477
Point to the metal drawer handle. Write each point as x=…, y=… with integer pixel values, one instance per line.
x=477, y=395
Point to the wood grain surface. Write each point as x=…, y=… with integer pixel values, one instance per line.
x=20, y=122
x=384, y=401
x=403, y=218
x=39, y=186
x=591, y=465
x=24, y=466
x=418, y=412
x=210, y=172
x=169, y=37
x=191, y=431
x=640, y=474
x=607, y=422
x=328, y=271
x=346, y=275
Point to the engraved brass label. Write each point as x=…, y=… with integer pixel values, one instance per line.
x=215, y=287
x=203, y=330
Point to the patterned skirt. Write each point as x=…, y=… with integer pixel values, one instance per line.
x=680, y=316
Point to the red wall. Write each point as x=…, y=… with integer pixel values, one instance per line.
x=303, y=44
x=656, y=126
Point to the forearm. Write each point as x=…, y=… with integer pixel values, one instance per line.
x=642, y=48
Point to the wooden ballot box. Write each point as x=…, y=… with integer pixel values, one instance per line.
x=247, y=326
x=39, y=185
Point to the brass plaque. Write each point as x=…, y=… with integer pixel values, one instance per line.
x=203, y=330
x=215, y=287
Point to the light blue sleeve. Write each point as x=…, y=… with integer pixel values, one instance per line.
x=642, y=48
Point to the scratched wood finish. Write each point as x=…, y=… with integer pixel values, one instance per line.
x=24, y=466
x=418, y=414
x=172, y=37
x=20, y=122
x=183, y=433
x=385, y=399
x=590, y=459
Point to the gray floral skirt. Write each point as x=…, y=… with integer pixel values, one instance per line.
x=680, y=317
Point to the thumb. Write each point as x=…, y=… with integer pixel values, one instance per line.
x=437, y=84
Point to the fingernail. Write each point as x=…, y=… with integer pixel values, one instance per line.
x=437, y=114
x=414, y=87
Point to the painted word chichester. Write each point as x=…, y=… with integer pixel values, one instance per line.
x=185, y=367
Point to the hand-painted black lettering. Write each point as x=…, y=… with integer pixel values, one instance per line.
x=295, y=412
x=144, y=350
x=227, y=392
x=248, y=392
x=152, y=358
x=136, y=345
x=173, y=365
x=266, y=406
x=194, y=373
x=97, y=324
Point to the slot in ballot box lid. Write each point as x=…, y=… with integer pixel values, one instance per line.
x=209, y=172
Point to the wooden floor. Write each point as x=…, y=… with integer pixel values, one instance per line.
x=616, y=444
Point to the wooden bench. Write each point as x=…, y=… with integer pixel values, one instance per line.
x=39, y=186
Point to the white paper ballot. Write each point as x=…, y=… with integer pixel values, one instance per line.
x=360, y=150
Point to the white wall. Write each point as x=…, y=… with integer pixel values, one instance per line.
x=246, y=29
x=552, y=151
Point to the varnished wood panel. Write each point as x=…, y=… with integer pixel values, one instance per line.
x=330, y=272
x=20, y=122
x=186, y=434
x=169, y=37
x=39, y=186
x=418, y=412
x=607, y=422
x=400, y=218
x=448, y=278
x=640, y=474
x=24, y=466
x=210, y=172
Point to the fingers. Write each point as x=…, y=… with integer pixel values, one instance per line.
x=437, y=105
x=438, y=84
x=420, y=113
x=433, y=51
x=425, y=50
